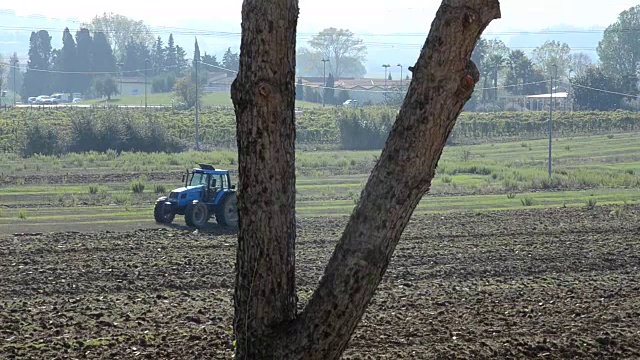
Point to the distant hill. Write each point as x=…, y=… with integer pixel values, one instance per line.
x=579, y=39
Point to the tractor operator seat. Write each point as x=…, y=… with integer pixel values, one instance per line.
x=212, y=191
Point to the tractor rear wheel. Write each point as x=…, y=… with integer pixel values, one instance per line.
x=163, y=214
x=227, y=213
x=196, y=214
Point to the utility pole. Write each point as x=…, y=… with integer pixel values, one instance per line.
x=400, y=65
x=120, y=65
x=146, y=62
x=555, y=68
x=15, y=91
x=570, y=91
x=385, y=74
x=324, y=78
x=197, y=106
x=385, y=66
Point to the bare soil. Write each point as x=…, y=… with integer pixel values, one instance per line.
x=551, y=284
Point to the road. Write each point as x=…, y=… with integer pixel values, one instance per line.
x=87, y=106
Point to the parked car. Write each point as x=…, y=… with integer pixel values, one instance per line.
x=50, y=101
x=60, y=97
x=46, y=100
x=41, y=99
x=350, y=102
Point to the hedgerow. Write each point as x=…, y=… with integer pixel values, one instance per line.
x=58, y=130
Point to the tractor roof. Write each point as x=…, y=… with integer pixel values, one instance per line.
x=209, y=169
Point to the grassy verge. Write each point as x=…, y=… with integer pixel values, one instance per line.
x=143, y=214
x=169, y=99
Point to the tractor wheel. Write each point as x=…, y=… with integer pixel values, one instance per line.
x=196, y=214
x=227, y=214
x=163, y=214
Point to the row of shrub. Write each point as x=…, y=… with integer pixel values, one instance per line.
x=73, y=129
x=368, y=129
x=362, y=129
x=99, y=131
x=535, y=124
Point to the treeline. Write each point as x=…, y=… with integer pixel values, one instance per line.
x=109, y=47
x=513, y=72
x=57, y=131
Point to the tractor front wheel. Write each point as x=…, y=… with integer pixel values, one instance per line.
x=227, y=214
x=163, y=214
x=196, y=214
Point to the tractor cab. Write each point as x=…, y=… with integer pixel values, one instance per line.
x=207, y=191
x=212, y=182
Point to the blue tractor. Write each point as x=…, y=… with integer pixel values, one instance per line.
x=207, y=192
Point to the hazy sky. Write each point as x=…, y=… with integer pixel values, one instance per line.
x=373, y=16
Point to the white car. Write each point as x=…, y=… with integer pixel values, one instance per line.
x=42, y=99
x=350, y=102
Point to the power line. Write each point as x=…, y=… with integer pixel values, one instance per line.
x=372, y=91
x=217, y=67
x=194, y=31
x=514, y=85
x=191, y=31
x=135, y=32
x=91, y=72
x=307, y=85
x=605, y=91
x=303, y=37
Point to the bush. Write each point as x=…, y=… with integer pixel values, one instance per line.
x=591, y=202
x=526, y=201
x=122, y=199
x=137, y=186
x=41, y=139
x=364, y=130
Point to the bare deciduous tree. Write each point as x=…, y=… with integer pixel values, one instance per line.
x=267, y=325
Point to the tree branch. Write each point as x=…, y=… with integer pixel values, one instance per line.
x=443, y=80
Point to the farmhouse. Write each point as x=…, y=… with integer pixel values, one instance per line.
x=133, y=86
x=363, y=90
x=537, y=102
x=219, y=82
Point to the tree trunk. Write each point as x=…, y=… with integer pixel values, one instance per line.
x=443, y=80
x=263, y=95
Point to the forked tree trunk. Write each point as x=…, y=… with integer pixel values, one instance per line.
x=266, y=325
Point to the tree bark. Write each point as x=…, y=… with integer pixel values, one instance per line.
x=263, y=95
x=443, y=80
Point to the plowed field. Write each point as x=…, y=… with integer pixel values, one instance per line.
x=561, y=283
